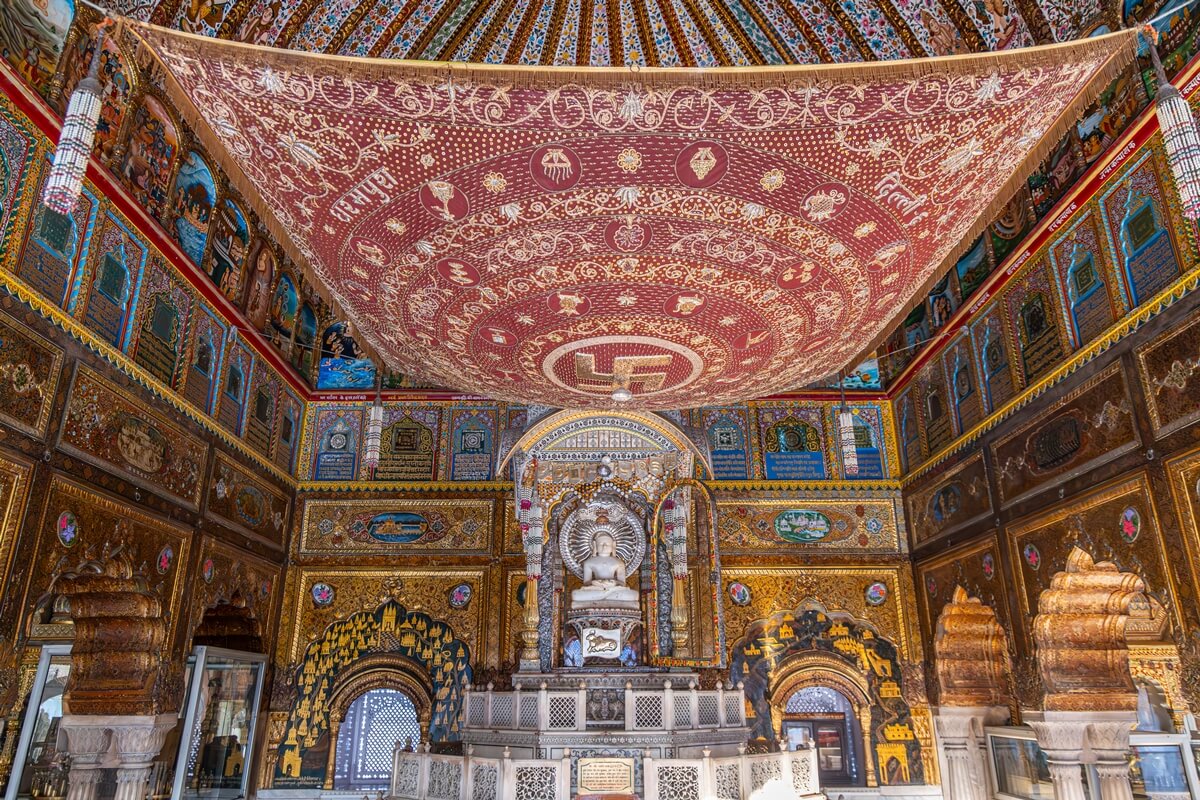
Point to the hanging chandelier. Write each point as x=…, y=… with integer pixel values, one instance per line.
x=65, y=182
x=1181, y=140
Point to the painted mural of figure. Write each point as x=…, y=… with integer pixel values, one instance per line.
x=32, y=35
x=258, y=292
x=202, y=15
x=339, y=342
x=944, y=37
x=257, y=29
x=1004, y=22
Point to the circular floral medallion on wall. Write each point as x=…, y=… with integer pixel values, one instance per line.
x=460, y=595
x=165, y=557
x=989, y=566
x=931, y=585
x=322, y=594
x=739, y=593
x=1131, y=524
x=68, y=529
x=1033, y=556
x=207, y=570
x=876, y=594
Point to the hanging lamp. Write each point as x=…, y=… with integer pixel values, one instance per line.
x=65, y=182
x=373, y=440
x=1181, y=140
x=846, y=433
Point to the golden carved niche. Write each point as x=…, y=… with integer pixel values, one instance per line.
x=971, y=649
x=1080, y=633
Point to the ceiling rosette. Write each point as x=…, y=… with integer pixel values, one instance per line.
x=658, y=238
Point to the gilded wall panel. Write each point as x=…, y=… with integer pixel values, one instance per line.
x=318, y=597
x=850, y=589
x=512, y=532
x=29, y=372
x=77, y=523
x=14, y=492
x=976, y=566
x=1117, y=522
x=229, y=574
x=957, y=497
x=860, y=525
x=109, y=427
x=236, y=497
x=1184, y=473
x=377, y=526
x=512, y=615
x=1085, y=427
x=1169, y=366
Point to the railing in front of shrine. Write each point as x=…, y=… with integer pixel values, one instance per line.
x=425, y=776
x=665, y=709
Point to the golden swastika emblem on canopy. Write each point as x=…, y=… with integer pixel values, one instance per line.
x=624, y=372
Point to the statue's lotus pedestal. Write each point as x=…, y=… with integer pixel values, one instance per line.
x=607, y=638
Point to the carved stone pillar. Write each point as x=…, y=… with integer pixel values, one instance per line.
x=138, y=742
x=88, y=742
x=1072, y=738
x=960, y=737
x=1108, y=743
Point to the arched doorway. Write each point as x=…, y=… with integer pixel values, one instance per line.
x=825, y=717
x=821, y=689
x=367, y=737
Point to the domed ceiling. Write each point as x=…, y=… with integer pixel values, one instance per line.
x=664, y=239
x=669, y=33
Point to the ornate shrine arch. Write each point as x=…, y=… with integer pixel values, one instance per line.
x=569, y=435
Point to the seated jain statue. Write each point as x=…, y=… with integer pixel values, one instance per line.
x=604, y=578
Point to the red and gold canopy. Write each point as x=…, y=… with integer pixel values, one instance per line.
x=567, y=237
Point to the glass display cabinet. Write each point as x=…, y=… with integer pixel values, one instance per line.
x=40, y=764
x=215, y=751
x=1163, y=766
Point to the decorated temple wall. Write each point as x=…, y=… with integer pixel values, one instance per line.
x=90, y=461
x=1117, y=252
x=105, y=282
x=181, y=216
x=1107, y=461
x=436, y=440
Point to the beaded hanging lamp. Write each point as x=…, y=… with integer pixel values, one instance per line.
x=65, y=182
x=1181, y=140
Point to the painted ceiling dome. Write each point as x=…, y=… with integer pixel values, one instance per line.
x=668, y=33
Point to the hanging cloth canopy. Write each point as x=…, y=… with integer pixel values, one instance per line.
x=660, y=238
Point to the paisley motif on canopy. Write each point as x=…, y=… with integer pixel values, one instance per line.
x=575, y=238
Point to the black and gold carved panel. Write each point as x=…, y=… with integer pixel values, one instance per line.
x=236, y=497
x=29, y=372
x=1086, y=427
x=114, y=430
x=1169, y=367
x=1117, y=522
x=950, y=501
x=78, y=524
x=975, y=566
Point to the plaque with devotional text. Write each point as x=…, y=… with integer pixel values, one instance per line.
x=605, y=776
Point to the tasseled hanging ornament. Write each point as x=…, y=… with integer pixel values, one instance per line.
x=373, y=440
x=845, y=420
x=1181, y=140
x=65, y=182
